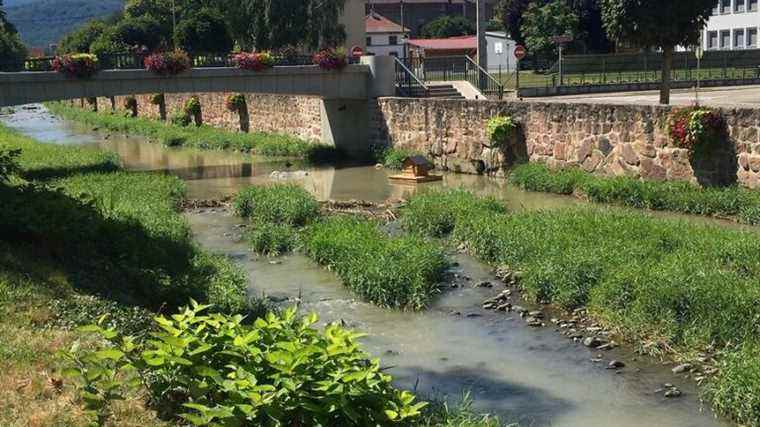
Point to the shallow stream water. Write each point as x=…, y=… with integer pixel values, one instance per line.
x=532, y=376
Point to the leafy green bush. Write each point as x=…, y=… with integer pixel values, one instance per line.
x=734, y=391
x=177, y=133
x=500, y=128
x=271, y=239
x=740, y=203
x=399, y=272
x=278, y=203
x=213, y=370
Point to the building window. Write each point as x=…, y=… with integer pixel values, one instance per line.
x=725, y=39
x=369, y=41
x=739, y=6
x=725, y=6
x=393, y=40
x=738, y=39
x=712, y=40
x=752, y=38
x=752, y=6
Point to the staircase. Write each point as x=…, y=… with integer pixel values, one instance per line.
x=447, y=91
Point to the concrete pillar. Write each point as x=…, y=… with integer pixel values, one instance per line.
x=345, y=125
x=382, y=75
x=482, y=26
x=353, y=19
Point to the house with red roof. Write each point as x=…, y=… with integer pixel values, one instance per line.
x=385, y=37
x=452, y=46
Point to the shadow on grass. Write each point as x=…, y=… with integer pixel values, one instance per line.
x=52, y=173
x=114, y=258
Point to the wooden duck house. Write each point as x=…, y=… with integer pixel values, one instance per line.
x=416, y=169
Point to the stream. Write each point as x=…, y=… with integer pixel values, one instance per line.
x=533, y=376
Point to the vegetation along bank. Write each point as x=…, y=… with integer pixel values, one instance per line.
x=678, y=290
x=180, y=132
x=83, y=242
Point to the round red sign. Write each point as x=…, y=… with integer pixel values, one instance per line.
x=357, y=51
x=520, y=52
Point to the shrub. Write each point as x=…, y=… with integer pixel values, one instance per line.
x=192, y=106
x=168, y=63
x=499, y=129
x=78, y=65
x=182, y=119
x=271, y=239
x=235, y=103
x=130, y=102
x=331, y=59
x=8, y=163
x=399, y=273
x=393, y=158
x=696, y=128
x=157, y=99
x=734, y=391
x=278, y=203
x=255, y=61
x=219, y=371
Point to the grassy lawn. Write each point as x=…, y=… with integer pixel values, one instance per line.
x=203, y=137
x=673, y=288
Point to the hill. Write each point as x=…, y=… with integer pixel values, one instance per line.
x=41, y=22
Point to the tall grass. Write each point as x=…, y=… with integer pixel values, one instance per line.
x=402, y=272
x=282, y=203
x=666, y=283
x=119, y=233
x=733, y=202
x=202, y=137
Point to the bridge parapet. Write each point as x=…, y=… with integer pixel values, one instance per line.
x=351, y=83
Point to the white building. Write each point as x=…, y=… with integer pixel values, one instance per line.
x=733, y=25
x=385, y=37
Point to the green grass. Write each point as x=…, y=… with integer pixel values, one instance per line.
x=119, y=233
x=668, y=285
x=734, y=202
x=393, y=158
x=393, y=272
x=270, y=238
x=202, y=137
x=437, y=213
x=282, y=203
x=734, y=391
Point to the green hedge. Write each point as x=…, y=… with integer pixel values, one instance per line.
x=736, y=202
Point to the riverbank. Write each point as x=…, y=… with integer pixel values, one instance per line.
x=202, y=137
x=734, y=203
x=677, y=290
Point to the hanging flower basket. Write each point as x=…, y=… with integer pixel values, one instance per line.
x=331, y=59
x=78, y=65
x=168, y=63
x=254, y=61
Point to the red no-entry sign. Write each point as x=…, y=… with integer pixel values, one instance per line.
x=357, y=51
x=520, y=52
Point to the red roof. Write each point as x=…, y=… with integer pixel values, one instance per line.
x=377, y=23
x=451, y=43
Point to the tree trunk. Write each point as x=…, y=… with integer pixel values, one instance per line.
x=667, y=65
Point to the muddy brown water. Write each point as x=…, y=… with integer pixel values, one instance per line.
x=532, y=376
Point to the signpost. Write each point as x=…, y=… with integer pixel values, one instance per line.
x=357, y=52
x=699, y=53
x=561, y=41
x=520, y=53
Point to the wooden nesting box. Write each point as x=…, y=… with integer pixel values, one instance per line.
x=416, y=169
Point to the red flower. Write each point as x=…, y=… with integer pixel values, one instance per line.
x=168, y=63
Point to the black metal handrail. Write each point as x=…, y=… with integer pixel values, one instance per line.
x=486, y=83
x=407, y=82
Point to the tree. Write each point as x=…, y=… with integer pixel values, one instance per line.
x=80, y=40
x=203, y=31
x=658, y=24
x=592, y=37
x=12, y=50
x=511, y=12
x=140, y=31
x=447, y=26
x=310, y=23
x=542, y=22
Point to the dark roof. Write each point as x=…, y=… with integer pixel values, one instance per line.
x=377, y=23
x=418, y=160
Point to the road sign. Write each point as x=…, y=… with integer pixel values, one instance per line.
x=562, y=39
x=520, y=52
x=699, y=53
x=357, y=51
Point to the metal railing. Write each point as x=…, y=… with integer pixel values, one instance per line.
x=407, y=82
x=485, y=82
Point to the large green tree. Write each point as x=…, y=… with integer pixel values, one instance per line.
x=309, y=23
x=542, y=22
x=12, y=50
x=448, y=26
x=203, y=31
x=511, y=13
x=657, y=24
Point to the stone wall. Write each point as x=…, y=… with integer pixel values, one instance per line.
x=292, y=115
x=602, y=139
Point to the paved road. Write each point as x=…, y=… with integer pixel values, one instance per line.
x=748, y=96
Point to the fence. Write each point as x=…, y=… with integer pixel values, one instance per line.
x=455, y=68
x=585, y=70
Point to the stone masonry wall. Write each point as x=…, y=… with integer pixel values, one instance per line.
x=292, y=115
x=602, y=139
